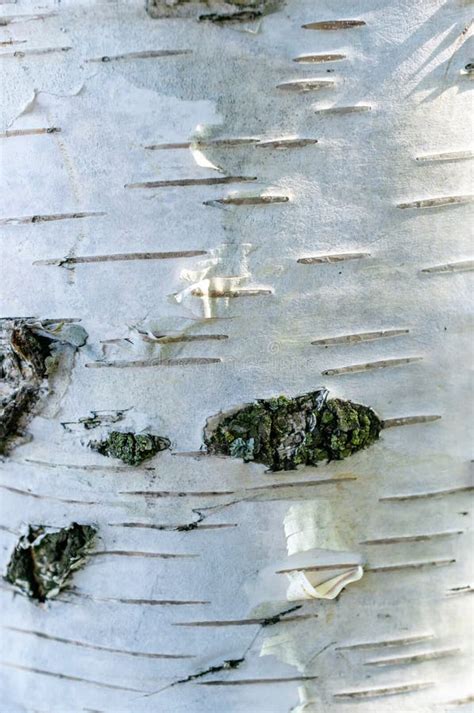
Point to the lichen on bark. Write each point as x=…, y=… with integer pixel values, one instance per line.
x=44, y=559
x=131, y=448
x=283, y=433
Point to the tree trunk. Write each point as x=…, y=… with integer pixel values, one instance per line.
x=236, y=209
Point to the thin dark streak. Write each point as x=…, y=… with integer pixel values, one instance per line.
x=145, y=54
x=95, y=647
x=33, y=52
x=290, y=143
x=29, y=132
x=456, y=591
x=185, y=361
x=150, y=555
x=172, y=528
x=318, y=58
x=205, y=143
x=414, y=658
x=14, y=19
x=192, y=182
x=391, y=691
x=12, y=42
x=300, y=483
x=279, y=617
x=411, y=538
x=355, y=109
x=336, y=257
x=121, y=257
x=141, y=602
x=367, y=366
x=334, y=25
x=405, y=641
x=428, y=494
x=320, y=567
x=176, y=493
x=410, y=565
x=175, y=339
x=248, y=200
x=409, y=420
x=438, y=202
x=67, y=677
x=47, y=218
x=257, y=681
x=446, y=156
x=360, y=337
x=307, y=85
x=244, y=622
x=450, y=267
x=17, y=491
x=231, y=294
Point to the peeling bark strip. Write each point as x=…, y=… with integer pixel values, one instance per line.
x=283, y=433
x=43, y=560
x=131, y=448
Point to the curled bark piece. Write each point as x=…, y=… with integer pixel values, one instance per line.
x=44, y=559
x=283, y=432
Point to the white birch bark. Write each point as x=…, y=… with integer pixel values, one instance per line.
x=385, y=189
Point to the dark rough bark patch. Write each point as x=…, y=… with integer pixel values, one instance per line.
x=44, y=559
x=283, y=433
x=30, y=352
x=219, y=11
x=131, y=448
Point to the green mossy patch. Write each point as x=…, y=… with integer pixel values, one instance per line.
x=44, y=560
x=283, y=433
x=131, y=448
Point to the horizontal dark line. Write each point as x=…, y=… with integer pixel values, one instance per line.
x=185, y=361
x=360, y=337
x=33, y=52
x=388, y=691
x=336, y=257
x=17, y=491
x=184, y=527
x=122, y=257
x=410, y=420
x=438, y=202
x=382, y=364
x=427, y=494
x=29, y=132
x=334, y=25
x=47, y=218
x=405, y=641
x=95, y=647
x=145, y=54
x=67, y=677
x=256, y=681
x=192, y=182
x=151, y=555
x=319, y=58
